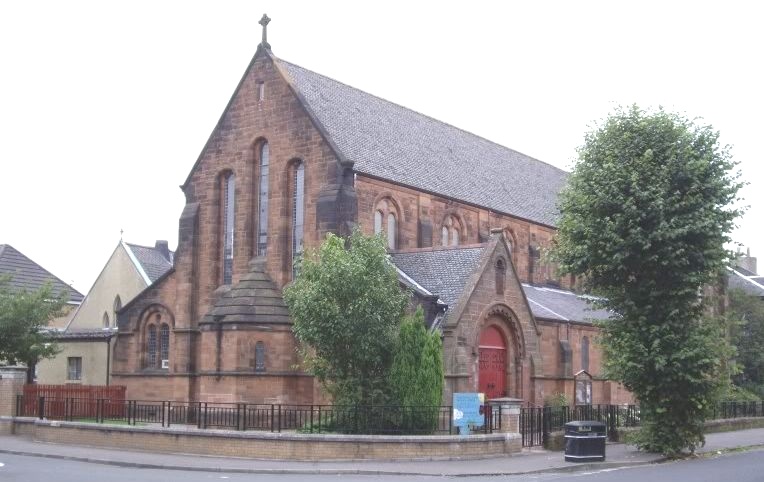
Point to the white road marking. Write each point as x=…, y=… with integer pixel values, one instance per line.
x=2, y=464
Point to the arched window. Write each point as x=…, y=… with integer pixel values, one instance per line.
x=450, y=232
x=157, y=339
x=164, y=345
x=386, y=222
x=501, y=274
x=105, y=320
x=259, y=356
x=377, y=222
x=117, y=307
x=262, y=230
x=228, y=202
x=298, y=215
x=392, y=230
x=585, y=353
x=151, y=346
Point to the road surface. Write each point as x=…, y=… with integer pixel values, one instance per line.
x=740, y=467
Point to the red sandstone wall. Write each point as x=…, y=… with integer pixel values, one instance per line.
x=415, y=207
x=281, y=120
x=553, y=380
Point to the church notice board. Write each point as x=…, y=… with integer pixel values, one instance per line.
x=467, y=411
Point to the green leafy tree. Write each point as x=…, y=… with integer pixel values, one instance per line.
x=346, y=305
x=747, y=333
x=416, y=377
x=24, y=317
x=644, y=219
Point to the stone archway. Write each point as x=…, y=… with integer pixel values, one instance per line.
x=501, y=354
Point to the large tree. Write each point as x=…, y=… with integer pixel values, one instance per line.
x=24, y=318
x=644, y=220
x=346, y=305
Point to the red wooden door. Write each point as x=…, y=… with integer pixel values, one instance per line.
x=492, y=378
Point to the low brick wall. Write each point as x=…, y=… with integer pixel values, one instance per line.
x=731, y=424
x=17, y=426
x=265, y=445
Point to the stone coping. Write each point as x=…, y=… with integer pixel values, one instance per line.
x=265, y=435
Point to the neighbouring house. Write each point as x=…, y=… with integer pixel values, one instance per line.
x=86, y=340
x=743, y=276
x=27, y=275
x=296, y=155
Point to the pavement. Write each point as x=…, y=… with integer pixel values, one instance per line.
x=530, y=461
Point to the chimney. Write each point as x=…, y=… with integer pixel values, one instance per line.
x=747, y=262
x=162, y=247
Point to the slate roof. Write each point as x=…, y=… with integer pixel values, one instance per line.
x=744, y=271
x=443, y=272
x=30, y=276
x=753, y=285
x=391, y=142
x=152, y=260
x=560, y=305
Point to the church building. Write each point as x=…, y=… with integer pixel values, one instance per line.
x=296, y=155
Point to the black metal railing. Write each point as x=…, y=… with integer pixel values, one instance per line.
x=372, y=419
x=536, y=423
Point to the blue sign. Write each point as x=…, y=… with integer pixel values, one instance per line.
x=467, y=411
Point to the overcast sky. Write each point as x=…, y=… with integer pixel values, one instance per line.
x=105, y=106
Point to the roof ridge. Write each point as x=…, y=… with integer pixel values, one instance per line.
x=146, y=247
x=278, y=59
x=438, y=248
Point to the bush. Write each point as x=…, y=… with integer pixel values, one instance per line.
x=416, y=378
x=557, y=399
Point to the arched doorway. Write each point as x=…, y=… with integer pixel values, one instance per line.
x=492, y=377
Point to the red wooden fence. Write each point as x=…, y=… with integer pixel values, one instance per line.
x=87, y=397
x=92, y=392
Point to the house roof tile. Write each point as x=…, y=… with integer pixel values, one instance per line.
x=28, y=275
x=753, y=285
x=152, y=260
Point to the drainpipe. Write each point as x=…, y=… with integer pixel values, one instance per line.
x=108, y=359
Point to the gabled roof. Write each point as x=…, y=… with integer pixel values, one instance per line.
x=561, y=305
x=28, y=275
x=150, y=261
x=441, y=271
x=444, y=272
x=390, y=142
x=753, y=285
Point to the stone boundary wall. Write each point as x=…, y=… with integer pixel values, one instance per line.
x=264, y=445
x=557, y=439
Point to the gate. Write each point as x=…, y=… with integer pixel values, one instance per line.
x=534, y=425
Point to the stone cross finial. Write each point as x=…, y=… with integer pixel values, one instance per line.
x=264, y=22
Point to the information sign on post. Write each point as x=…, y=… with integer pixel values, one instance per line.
x=467, y=411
